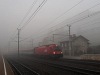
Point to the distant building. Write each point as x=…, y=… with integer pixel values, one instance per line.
x=79, y=45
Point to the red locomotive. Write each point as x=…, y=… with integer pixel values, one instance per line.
x=51, y=50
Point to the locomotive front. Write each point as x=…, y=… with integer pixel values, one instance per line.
x=56, y=50
x=51, y=50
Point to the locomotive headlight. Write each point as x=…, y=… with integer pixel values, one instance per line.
x=54, y=52
x=61, y=52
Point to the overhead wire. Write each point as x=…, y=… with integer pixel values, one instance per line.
x=66, y=35
x=90, y=24
x=27, y=13
x=72, y=23
x=64, y=25
x=78, y=14
x=79, y=19
x=85, y=30
x=33, y=14
x=64, y=12
x=62, y=15
x=61, y=38
x=30, y=9
x=91, y=29
x=83, y=19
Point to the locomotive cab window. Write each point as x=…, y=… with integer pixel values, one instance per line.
x=58, y=48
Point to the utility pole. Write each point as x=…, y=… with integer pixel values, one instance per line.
x=69, y=26
x=18, y=39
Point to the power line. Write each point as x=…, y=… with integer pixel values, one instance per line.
x=79, y=14
x=40, y=6
x=70, y=18
x=25, y=16
x=27, y=12
x=89, y=29
x=74, y=22
x=61, y=27
x=63, y=13
x=14, y=35
x=74, y=16
x=41, y=35
x=33, y=15
x=89, y=26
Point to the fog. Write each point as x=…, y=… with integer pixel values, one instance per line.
x=51, y=18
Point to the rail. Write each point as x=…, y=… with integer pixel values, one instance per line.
x=20, y=69
x=76, y=70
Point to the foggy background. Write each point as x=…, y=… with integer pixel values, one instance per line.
x=52, y=18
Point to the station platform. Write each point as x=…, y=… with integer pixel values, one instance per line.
x=5, y=68
x=71, y=57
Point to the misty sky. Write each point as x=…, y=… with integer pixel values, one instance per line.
x=51, y=14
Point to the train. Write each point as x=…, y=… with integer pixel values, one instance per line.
x=51, y=50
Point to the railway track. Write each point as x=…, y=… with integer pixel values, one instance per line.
x=89, y=64
x=76, y=70
x=92, y=65
x=81, y=61
x=20, y=69
x=73, y=70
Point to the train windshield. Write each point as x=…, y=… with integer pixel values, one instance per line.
x=57, y=48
